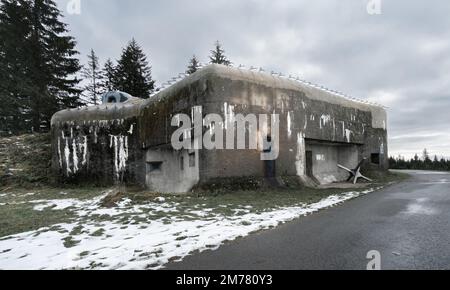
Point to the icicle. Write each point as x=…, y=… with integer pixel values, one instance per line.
x=85, y=148
x=59, y=153
x=131, y=129
x=120, y=151
x=67, y=157
x=75, y=156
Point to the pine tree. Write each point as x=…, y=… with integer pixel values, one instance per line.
x=415, y=162
x=133, y=74
x=218, y=55
x=435, y=163
x=392, y=163
x=37, y=59
x=193, y=65
x=93, y=76
x=425, y=155
x=15, y=28
x=53, y=66
x=108, y=73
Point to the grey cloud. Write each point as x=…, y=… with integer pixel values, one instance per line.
x=401, y=57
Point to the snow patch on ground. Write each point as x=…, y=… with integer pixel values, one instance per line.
x=57, y=204
x=149, y=244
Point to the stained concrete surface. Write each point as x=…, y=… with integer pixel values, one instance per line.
x=107, y=144
x=408, y=223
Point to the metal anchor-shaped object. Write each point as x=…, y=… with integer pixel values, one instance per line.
x=355, y=173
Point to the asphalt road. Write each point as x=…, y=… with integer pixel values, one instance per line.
x=408, y=223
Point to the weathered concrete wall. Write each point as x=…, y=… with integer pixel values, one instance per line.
x=97, y=145
x=376, y=142
x=177, y=173
x=156, y=113
x=305, y=113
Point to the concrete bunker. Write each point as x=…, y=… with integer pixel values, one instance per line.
x=128, y=140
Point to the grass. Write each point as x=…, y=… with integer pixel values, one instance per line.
x=70, y=242
x=22, y=218
x=391, y=176
x=84, y=254
x=25, y=160
x=17, y=214
x=98, y=233
x=29, y=156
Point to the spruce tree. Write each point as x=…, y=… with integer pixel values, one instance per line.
x=392, y=163
x=53, y=65
x=93, y=76
x=218, y=55
x=133, y=74
x=425, y=155
x=109, y=74
x=15, y=28
x=38, y=63
x=193, y=65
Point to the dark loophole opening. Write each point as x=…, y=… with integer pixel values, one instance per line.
x=154, y=166
x=375, y=158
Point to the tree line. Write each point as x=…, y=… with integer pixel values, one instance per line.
x=420, y=163
x=40, y=72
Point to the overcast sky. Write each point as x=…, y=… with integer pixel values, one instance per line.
x=400, y=58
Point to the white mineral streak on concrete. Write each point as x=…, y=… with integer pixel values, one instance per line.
x=59, y=153
x=289, y=124
x=334, y=129
x=324, y=120
x=67, y=157
x=229, y=115
x=300, y=157
x=119, y=144
x=131, y=129
x=84, y=146
x=74, y=156
x=348, y=134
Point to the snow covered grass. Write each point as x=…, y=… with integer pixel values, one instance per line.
x=17, y=205
x=147, y=233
